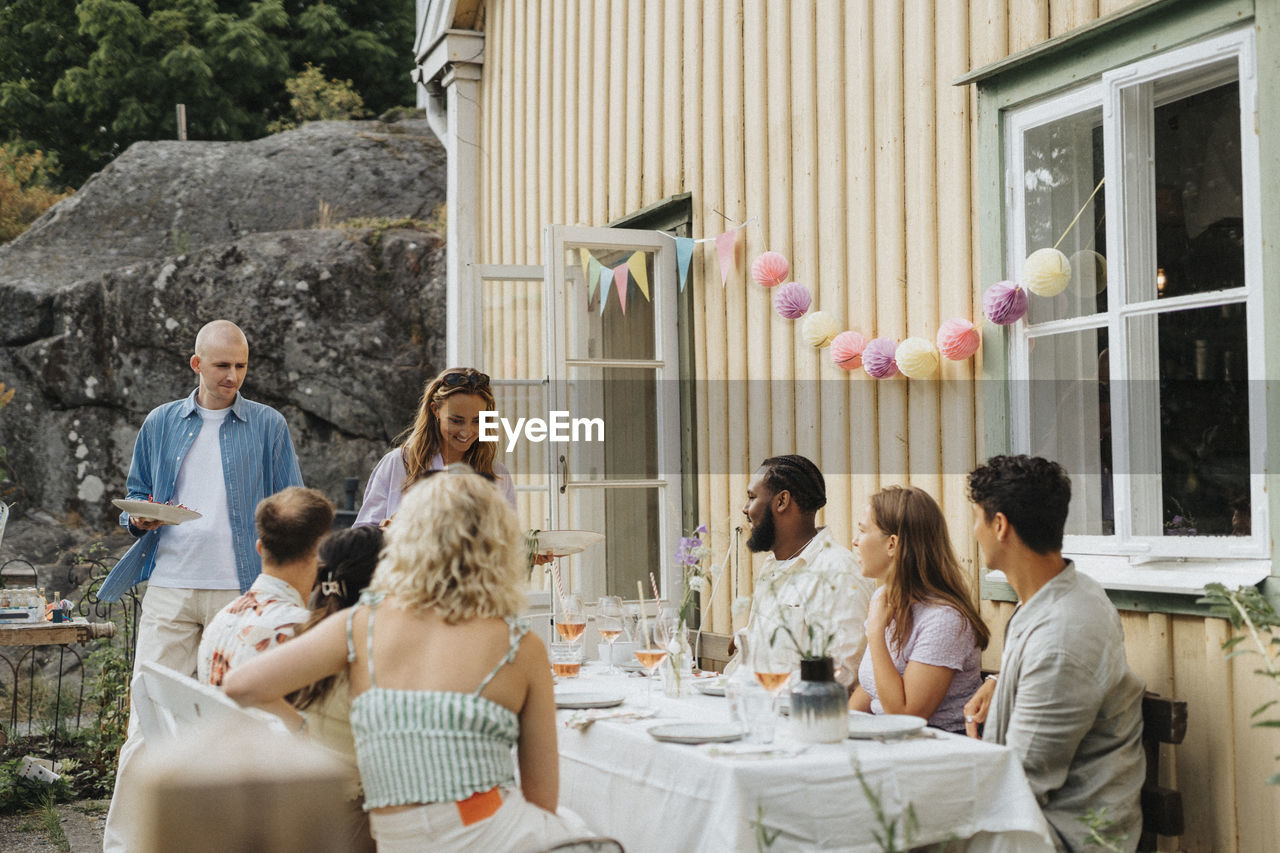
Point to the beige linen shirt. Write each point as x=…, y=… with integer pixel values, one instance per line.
x=821, y=586
x=1070, y=707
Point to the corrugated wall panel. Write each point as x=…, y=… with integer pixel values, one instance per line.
x=835, y=124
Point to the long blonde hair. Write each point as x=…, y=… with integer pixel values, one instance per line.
x=925, y=568
x=454, y=546
x=423, y=440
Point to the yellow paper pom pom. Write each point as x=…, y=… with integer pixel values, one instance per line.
x=1046, y=272
x=818, y=329
x=917, y=358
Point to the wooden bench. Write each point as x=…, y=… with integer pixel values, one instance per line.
x=1163, y=721
x=713, y=651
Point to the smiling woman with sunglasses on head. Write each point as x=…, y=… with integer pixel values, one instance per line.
x=445, y=431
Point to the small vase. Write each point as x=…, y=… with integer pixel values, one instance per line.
x=677, y=668
x=819, y=704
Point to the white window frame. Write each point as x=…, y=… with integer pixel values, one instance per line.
x=1125, y=560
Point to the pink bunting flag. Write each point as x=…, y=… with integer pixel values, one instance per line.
x=726, y=243
x=620, y=282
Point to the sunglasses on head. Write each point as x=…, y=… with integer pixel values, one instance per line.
x=458, y=379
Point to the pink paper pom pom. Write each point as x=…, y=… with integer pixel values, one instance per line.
x=792, y=300
x=958, y=339
x=1004, y=303
x=846, y=350
x=770, y=269
x=877, y=358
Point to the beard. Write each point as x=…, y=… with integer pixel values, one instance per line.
x=763, y=534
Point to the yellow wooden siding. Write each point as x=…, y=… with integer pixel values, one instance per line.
x=836, y=126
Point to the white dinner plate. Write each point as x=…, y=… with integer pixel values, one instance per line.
x=161, y=512
x=710, y=686
x=562, y=543
x=632, y=665
x=696, y=732
x=873, y=726
x=582, y=699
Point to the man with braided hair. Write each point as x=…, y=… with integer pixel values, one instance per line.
x=807, y=580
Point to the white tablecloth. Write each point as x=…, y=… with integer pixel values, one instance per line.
x=656, y=796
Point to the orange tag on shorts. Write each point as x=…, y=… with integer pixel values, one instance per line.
x=479, y=806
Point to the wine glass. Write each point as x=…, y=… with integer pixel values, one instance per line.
x=772, y=666
x=610, y=624
x=651, y=652
x=571, y=620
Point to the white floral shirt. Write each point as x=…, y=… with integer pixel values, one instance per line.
x=821, y=587
x=265, y=616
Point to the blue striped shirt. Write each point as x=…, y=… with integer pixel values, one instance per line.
x=257, y=461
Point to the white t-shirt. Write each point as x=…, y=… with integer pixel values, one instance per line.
x=199, y=554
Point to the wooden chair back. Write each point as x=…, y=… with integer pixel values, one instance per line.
x=170, y=704
x=1163, y=721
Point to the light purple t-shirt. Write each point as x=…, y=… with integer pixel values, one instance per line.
x=940, y=636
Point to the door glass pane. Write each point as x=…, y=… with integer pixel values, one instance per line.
x=620, y=405
x=1200, y=465
x=1062, y=165
x=1070, y=397
x=612, y=334
x=1199, y=210
x=631, y=521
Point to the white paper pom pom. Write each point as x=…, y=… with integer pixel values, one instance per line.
x=917, y=358
x=1046, y=272
x=818, y=329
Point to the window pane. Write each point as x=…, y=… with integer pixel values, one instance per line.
x=1197, y=470
x=630, y=518
x=612, y=334
x=1071, y=421
x=1199, y=212
x=1062, y=165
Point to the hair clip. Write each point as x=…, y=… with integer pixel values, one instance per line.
x=331, y=587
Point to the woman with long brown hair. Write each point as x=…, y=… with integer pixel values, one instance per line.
x=445, y=431
x=924, y=634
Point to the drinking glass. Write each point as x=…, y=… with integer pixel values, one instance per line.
x=610, y=624
x=565, y=660
x=571, y=619
x=651, y=652
x=772, y=666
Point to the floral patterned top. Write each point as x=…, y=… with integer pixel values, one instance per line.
x=265, y=616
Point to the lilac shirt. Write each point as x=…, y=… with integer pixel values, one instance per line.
x=386, y=486
x=940, y=636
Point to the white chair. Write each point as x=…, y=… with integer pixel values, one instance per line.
x=170, y=704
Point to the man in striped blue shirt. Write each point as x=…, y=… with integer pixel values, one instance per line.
x=219, y=454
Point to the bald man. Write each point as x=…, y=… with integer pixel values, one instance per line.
x=218, y=454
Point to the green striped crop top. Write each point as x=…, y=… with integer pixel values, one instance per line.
x=431, y=746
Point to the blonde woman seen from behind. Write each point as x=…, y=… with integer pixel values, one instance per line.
x=444, y=680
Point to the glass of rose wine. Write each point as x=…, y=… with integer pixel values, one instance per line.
x=571, y=619
x=610, y=624
x=651, y=651
x=772, y=665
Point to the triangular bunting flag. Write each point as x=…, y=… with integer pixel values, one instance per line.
x=620, y=282
x=684, y=254
x=593, y=276
x=606, y=276
x=725, y=245
x=635, y=263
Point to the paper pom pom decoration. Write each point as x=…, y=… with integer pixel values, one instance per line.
x=1004, y=303
x=818, y=329
x=1089, y=269
x=846, y=350
x=792, y=300
x=958, y=339
x=1046, y=272
x=877, y=358
x=916, y=358
x=770, y=269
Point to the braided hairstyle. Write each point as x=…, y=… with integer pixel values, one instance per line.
x=800, y=477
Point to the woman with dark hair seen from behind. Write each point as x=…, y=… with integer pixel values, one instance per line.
x=924, y=634
x=446, y=684
x=445, y=431
x=347, y=561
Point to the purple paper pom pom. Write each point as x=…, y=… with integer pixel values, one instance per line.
x=877, y=358
x=1004, y=303
x=792, y=300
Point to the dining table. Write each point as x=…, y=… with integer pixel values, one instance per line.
x=926, y=788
